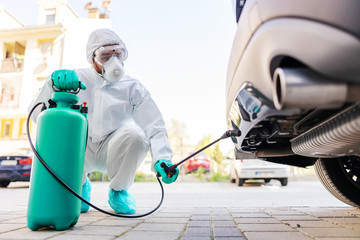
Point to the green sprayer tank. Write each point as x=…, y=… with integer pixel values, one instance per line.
x=61, y=142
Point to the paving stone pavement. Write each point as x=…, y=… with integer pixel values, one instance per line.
x=196, y=211
x=199, y=223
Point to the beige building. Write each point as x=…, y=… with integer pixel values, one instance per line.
x=29, y=54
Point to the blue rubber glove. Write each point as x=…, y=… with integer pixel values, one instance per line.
x=164, y=176
x=66, y=80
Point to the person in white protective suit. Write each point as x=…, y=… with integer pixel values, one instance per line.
x=124, y=121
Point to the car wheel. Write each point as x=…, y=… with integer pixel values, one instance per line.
x=283, y=181
x=233, y=174
x=267, y=180
x=4, y=183
x=341, y=177
x=239, y=181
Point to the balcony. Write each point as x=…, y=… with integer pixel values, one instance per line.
x=9, y=101
x=9, y=65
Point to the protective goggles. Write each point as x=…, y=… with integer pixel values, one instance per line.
x=103, y=54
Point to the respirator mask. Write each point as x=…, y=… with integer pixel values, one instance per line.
x=111, y=59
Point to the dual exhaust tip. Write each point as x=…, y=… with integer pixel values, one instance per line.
x=301, y=88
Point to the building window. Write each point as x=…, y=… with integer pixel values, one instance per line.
x=50, y=16
x=6, y=128
x=22, y=127
x=46, y=47
x=13, y=60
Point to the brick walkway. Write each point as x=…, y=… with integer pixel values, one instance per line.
x=199, y=223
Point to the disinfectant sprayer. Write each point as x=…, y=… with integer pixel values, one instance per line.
x=55, y=185
x=61, y=140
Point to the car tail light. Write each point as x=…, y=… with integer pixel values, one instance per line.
x=25, y=161
x=26, y=174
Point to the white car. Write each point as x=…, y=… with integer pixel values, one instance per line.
x=293, y=88
x=248, y=169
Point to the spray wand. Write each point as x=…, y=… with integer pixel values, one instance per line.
x=170, y=171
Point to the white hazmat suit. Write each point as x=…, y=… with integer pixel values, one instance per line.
x=124, y=121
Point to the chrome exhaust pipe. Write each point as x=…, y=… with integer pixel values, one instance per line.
x=304, y=89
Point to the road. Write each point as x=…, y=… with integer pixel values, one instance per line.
x=200, y=210
x=202, y=194
x=296, y=194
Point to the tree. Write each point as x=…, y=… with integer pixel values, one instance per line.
x=213, y=152
x=205, y=141
x=178, y=139
x=216, y=154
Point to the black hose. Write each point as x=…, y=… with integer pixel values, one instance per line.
x=169, y=170
x=70, y=189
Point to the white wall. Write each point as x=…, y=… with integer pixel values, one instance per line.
x=63, y=13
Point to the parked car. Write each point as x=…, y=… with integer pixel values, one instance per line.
x=255, y=169
x=200, y=160
x=293, y=88
x=15, y=167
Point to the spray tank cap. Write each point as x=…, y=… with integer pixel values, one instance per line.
x=65, y=98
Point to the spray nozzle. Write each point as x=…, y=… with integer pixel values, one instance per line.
x=231, y=133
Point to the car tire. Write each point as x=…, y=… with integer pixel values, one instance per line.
x=267, y=180
x=340, y=177
x=284, y=181
x=4, y=183
x=233, y=174
x=239, y=181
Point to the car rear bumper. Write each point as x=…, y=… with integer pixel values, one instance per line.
x=263, y=173
x=15, y=175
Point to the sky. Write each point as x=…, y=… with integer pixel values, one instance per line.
x=179, y=50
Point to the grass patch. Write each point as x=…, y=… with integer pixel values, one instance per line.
x=142, y=177
x=98, y=176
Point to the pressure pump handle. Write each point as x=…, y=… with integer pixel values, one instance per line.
x=81, y=86
x=170, y=171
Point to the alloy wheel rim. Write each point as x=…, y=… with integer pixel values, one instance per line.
x=350, y=165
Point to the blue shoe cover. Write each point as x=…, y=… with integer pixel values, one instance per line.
x=122, y=202
x=86, y=191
